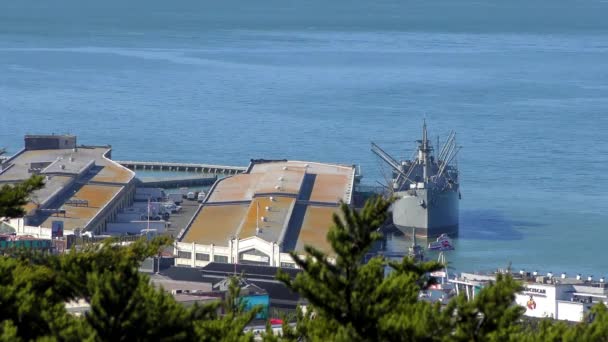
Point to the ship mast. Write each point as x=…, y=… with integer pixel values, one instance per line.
x=425, y=150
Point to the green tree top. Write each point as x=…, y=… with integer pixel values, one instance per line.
x=14, y=197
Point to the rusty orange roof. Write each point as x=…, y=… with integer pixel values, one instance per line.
x=78, y=216
x=271, y=221
x=62, y=167
x=332, y=183
x=113, y=173
x=330, y=188
x=305, y=195
x=236, y=188
x=316, y=224
x=282, y=181
x=215, y=224
x=29, y=207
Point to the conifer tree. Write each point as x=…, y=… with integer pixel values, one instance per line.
x=353, y=301
x=231, y=325
x=350, y=299
x=14, y=197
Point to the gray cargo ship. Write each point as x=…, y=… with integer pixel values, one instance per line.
x=426, y=188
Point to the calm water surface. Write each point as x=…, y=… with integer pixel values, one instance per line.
x=524, y=83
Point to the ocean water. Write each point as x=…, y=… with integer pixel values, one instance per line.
x=524, y=83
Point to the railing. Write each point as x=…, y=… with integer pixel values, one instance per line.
x=186, y=167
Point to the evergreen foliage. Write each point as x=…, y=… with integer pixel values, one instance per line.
x=14, y=197
x=124, y=305
x=353, y=301
x=351, y=298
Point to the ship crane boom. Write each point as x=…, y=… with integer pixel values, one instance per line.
x=390, y=161
x=448, y=143
x=447, y=162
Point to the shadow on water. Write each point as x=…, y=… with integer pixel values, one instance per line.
x=488, y=224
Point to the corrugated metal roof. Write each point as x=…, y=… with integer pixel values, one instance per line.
x=216, y=224
x=97, y=197
x=271, y=222
x=317, y=188
x=315, y=226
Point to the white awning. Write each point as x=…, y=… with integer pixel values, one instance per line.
x=589, y=295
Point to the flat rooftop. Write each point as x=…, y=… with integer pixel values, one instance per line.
x=77, y=216
x=62, y=167
x=317, y=221
x=215, y=224
x=83, y=173
x=64, y=161
x=272, y=218
x=288, y=202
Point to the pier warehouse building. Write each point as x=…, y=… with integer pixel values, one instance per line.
x=272, y=208
x=84, y=188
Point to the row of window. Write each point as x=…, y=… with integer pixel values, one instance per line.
x=202, y=257
x=219, y=258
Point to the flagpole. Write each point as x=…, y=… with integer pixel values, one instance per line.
x=236, y=260
x=148, y=228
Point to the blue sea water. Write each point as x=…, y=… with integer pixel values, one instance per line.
x=524, y=83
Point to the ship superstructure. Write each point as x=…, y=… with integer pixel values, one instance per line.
x=426, y=188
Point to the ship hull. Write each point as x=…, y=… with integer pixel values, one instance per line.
x=430, y=213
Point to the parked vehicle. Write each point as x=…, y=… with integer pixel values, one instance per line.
x=183, y=192
x=201, y=197
x=151, y=217
x=191, y=196
x=172, y=207
x=175, y=198
x=154, y=194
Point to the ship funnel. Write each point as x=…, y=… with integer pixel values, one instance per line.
x=601, y=279
x=590, y=278
x=563, y=275
x=578, y=276
x=535, y=273
x=522, y=272
x=550, y=275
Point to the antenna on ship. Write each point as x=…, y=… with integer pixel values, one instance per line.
x=424, y=149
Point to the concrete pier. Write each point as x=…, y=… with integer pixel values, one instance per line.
x=176, y=182
x=182, y=167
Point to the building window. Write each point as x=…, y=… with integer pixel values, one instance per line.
x=202, y=257
x=220, y=258
x=184, y=255
x=288, y=265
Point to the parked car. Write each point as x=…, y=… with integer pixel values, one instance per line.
x=172, y=207
x=201, y=197
x=151, y=217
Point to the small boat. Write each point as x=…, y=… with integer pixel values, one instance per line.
x=443, y=243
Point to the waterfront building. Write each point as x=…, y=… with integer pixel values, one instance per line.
x=274, y=207
x=259, y=282
x=84, y=189
x=545, y=296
